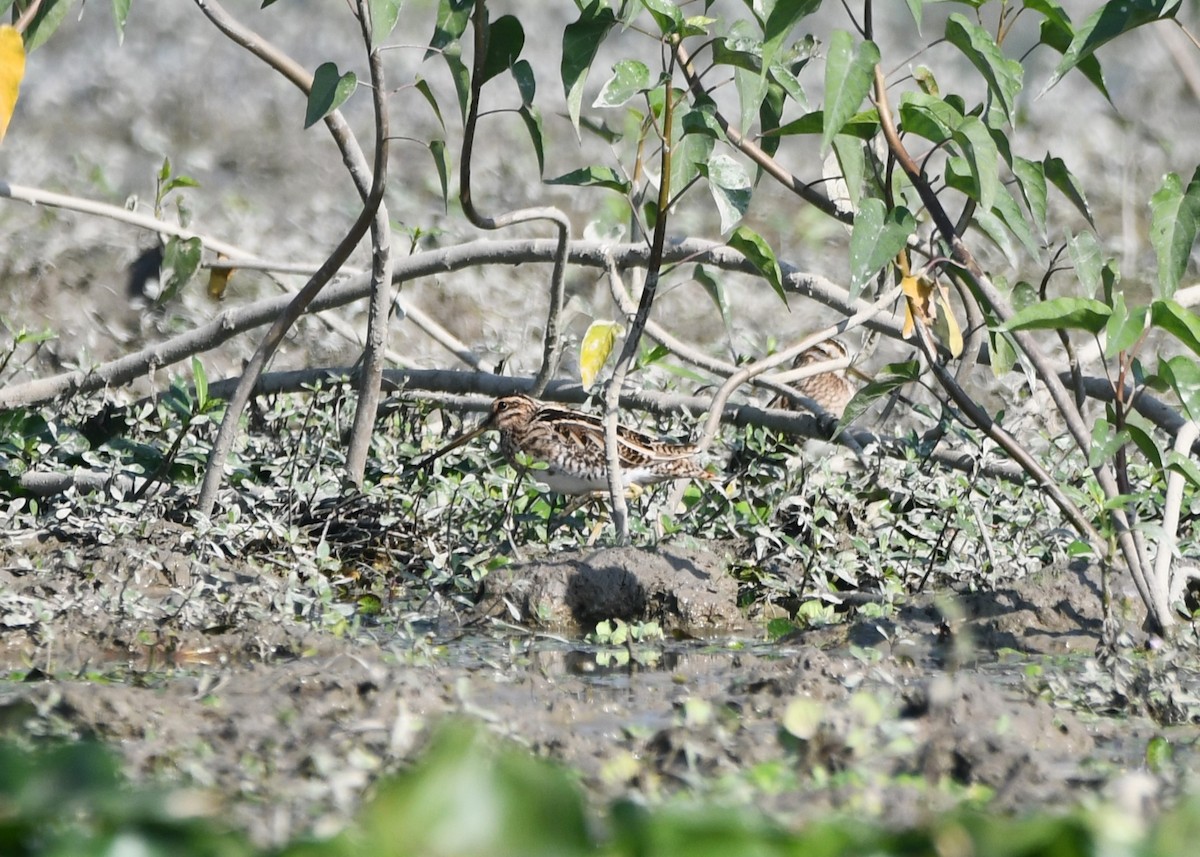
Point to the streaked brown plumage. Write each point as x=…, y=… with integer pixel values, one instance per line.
x=831, y=390
x=571, y=445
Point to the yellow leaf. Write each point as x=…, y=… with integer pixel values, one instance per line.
x=218, y=280
x=921, y=299
x=916, y=302
x=953, y=334
x=597, y=345
x=12, y=69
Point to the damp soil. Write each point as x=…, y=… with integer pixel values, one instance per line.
x=208, y=671
x=193, y=671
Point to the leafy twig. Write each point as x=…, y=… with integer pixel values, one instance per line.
x=361, y=174
x=552, y=348
x=225, y=436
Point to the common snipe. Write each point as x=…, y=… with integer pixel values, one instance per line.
x=571, y=446
x=831, y=390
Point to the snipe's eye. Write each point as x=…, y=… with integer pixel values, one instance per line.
x=502, y=406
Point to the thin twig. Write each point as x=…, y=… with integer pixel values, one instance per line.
x=237, y=257
x=637, y=327
x=552, y=339
x=370, y=375
x=755, y=152
x=214, y=473
x=747, y=372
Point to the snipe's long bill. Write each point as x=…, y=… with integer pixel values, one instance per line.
x=571, y=446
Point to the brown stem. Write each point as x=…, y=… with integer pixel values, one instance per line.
x=22, y=23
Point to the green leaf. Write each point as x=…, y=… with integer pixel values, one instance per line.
x=1186, y=466
x=1056, y=33
x=770, y=112
x=532, y=117
x=181, y=258
x=177, y=182
x=702, y=120
x=120, y=10
x=877, y=236
x=522, y=73
x=460, y=74
x=441, y=163
x=915, y=7
x=1113, y=19
x=789, y=83
x=1124, y=326
x=730, y=186
x=893, y=376
x=715, y=289
x=935, y=119
x=329, y=90
x=993, y=228
x=849, y=72
x=48, y=18
x=422, y=86
x=780, y=20
x=1003, y=352
x=1143, y=440
x=593, y=177
x=1058, y=174
x=384, y=14
x=853, y=164
x=689, y=156
x=1010, y=213
x=759, y=253
x=924, y=78
x=1085, y=254
x=629, y=77
x=1031, y=176
x=1105, y=443
x=581, y=40
x=1003, y=75
x=751, y=89
x=1177, y=320
x=452, y=18
x=1061, y=314
x=863, y=125
x=200, y=382
x=1173, y=224
x=981, y=154
x=505, y=39
x=1182, y=375
x=665, y=14
x=740, y=47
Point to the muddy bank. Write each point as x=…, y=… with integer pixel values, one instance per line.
x=191, y=670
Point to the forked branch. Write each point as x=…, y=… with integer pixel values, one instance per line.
x=215, y=470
